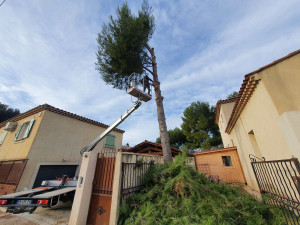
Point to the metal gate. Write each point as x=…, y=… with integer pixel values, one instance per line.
x=99, y=211
x=133, y=178
x=279, y=181
x=10, y=175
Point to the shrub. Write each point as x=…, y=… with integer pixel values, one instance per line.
x=175, y=193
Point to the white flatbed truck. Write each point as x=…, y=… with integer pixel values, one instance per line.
x=51, y=194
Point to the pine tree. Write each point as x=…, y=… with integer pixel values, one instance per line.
x=6, y=112
x=124, y=49
x=199, y=126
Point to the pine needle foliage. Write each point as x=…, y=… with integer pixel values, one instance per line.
x=199, y=127
x=122, y=45
x=176, y=194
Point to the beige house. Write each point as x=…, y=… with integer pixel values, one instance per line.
x=264, y=120
x=45, y=142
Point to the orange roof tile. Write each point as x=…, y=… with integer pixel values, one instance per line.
x=218, y=107
x=58, y=111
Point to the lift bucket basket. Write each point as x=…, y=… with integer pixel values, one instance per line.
x=136, y=92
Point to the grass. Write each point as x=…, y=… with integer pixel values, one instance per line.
x=176, y=194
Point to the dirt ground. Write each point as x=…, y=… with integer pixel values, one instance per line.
x=42, y=216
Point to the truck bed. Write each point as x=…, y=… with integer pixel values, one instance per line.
x=24, y=193
x=55, y=193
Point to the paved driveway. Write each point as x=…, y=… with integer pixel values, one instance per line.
x=42, y=216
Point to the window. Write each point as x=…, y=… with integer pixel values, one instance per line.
x=24, y=130
x=2, y=136
x=110, y=141
x=254, y=144
x=226, y=160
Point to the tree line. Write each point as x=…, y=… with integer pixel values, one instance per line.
x=198, y=130
x=6, y=112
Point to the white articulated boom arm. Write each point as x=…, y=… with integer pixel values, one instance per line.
x=93, y=144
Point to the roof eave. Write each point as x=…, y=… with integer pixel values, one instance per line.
x=50, y=108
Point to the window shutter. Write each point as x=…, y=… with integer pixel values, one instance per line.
x=2, y=136
x=19, y=130
x=27, y=132
x=110, y=141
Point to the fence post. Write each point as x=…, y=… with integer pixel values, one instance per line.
x=116, y=190
x=83, y=192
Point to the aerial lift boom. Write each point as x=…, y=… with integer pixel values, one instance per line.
x=134, y=91
x=93, y=144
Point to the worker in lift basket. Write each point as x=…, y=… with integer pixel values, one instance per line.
x=146, y=83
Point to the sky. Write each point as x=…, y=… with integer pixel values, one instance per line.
x=203, y=47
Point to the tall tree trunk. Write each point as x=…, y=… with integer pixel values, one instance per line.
x=165, y=142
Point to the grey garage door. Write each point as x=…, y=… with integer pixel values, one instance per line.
x=52, y=172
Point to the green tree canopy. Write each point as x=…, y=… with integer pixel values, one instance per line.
x=123, y=45
x=232, y=95
x=199, y=126
x=177, y=138
x=6, y=112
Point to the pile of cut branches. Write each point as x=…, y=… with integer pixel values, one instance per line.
x=176, y=194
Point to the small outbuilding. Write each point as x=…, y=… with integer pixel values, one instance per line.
x=223, y=164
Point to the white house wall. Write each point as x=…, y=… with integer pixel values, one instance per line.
x=225, y=112
x=259, y=116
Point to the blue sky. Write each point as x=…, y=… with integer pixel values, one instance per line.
x=204, y=48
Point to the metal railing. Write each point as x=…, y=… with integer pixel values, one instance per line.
x=133, y=175
x=279, y=182
x=107, y=153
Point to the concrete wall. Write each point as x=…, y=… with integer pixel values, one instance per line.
x=269, y=125
x=289, y=124
x=256, y=132
x=10, y=149
x=282, y=83
x=58, y=142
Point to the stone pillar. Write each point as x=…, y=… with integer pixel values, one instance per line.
x=115, y=200
x=83, y=193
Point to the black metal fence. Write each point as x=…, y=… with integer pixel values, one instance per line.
x=133, y=178
x=279, y=182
